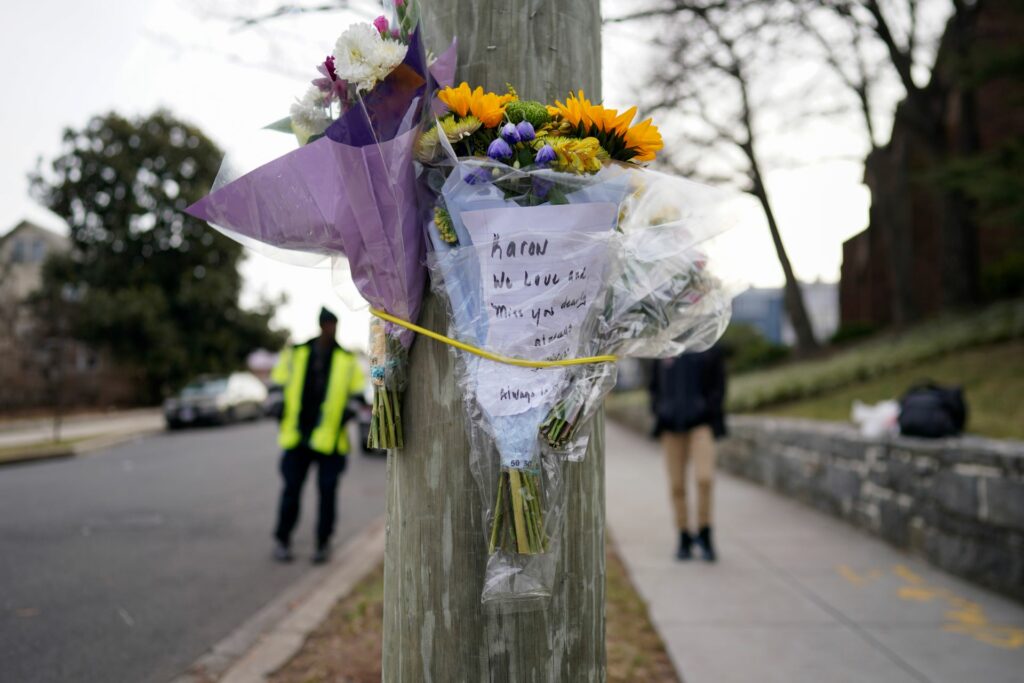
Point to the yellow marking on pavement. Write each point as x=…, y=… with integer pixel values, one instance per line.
x=847, y=572
x=964, y=616
x=1005, y=637
x=917, y=593
x=905, y=573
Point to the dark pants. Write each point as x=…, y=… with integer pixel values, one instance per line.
x=294, y=466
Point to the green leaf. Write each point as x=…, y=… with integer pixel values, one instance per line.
x=556, y=196
x=281, y=125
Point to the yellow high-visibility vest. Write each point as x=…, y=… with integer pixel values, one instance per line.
x=346, y=379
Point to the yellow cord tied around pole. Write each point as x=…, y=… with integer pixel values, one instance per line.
x=507, y=360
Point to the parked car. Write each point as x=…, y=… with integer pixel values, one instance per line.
x=273, y=406
x=216, y=399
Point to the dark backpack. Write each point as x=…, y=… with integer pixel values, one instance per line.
x=932, y=411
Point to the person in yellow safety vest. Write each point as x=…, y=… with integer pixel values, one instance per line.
x=319, y=377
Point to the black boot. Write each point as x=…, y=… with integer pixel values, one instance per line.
x=707, y=548
x=322, y=554
x=683, y=553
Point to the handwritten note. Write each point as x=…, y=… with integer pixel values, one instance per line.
x=542, y=268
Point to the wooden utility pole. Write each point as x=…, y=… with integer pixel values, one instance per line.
x=435, y=627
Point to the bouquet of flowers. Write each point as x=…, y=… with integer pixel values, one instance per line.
x=556, y=250
x=349, y=191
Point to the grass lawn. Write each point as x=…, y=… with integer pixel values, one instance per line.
x=877, y=358
x=983, y=351
x=346, y=648
x=992, y=377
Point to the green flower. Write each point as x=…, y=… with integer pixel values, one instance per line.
x=527, y=110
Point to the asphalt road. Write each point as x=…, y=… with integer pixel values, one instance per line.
x=128, y=564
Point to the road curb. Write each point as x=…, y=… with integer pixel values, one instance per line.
x=37, y=455
x=75, y=418
x=34, y=454
x=111, y=440
x=272, y=636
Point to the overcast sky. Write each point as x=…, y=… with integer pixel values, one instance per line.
x=66, y=60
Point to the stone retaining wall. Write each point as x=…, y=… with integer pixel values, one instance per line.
x=959, y=502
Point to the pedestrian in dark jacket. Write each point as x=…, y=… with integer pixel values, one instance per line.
x=687, y=393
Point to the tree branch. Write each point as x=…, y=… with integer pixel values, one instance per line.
x=244, y=22
x=674, y=8
x=902, y=61
x=859, y=83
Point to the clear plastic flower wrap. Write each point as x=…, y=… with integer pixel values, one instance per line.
x=520, y=486
x=564, y=271
x=667, y=292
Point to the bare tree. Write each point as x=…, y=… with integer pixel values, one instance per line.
x=852, y=53
x=711, y=56
x=877, y=51
x=907, y=53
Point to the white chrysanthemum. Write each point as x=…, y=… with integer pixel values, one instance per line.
x=392, y=53
x=310, y=115
x=363, y=57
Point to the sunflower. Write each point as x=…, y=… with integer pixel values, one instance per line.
x=486, y=106
x=645, y=139
x=623, y=142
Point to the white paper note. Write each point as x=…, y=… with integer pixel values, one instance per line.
x=542, y=269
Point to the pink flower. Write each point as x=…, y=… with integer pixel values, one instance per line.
x=381, y=24
x=330, y=84
x=327, y=68
x=399, y=3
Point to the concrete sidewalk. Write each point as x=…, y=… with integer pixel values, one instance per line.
x=796, y=595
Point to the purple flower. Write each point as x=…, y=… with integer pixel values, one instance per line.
x=510, y=134
x=499, y=149
x=541, y=187
x=381, y=24
x=525, y=131
x=545, y=155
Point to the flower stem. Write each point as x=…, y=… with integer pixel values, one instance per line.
x=496, y=524
x=515, y=484
x=386, y=424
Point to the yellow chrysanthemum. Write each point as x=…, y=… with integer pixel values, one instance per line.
x=486, y=106
x=642, y=140
x=455, y=129
x=576, y=155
